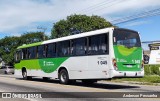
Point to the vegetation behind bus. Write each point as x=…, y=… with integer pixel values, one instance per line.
x=152, y=69
x=78, y=23
x=10, y=44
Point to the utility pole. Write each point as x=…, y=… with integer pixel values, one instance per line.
x=44, y=29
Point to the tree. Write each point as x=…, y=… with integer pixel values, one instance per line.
x=7, y=48
x=32, y=37
x=80, y=23
x=10, y=44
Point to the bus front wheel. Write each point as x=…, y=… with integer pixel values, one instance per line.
x=63, y=77
x=24, y=74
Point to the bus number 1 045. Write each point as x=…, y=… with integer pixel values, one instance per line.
x=102, y=62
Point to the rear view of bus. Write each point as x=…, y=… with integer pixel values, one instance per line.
x=127, y=59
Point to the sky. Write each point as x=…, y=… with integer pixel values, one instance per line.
x=21, y=16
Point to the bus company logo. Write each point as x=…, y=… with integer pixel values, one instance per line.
x=46, y=63
x=6, y=95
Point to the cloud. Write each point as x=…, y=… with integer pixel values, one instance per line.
x=17, y=16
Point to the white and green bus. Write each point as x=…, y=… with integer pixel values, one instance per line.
x=90, y=56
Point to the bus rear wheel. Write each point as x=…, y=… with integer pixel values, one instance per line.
x=63, y=77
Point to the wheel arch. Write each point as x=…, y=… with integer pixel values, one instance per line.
x=63, y=67
x=24, y=69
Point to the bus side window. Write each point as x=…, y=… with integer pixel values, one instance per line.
x=63, y=48
x=103, y=44
x=24, y=52
x=27, y=53
x=32, y=52
x=50, y=50
x=40, y=51
x=98, y=44
x=18, y=56
x=79, y=46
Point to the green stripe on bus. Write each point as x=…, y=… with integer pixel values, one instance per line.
x=48, y=65
x=30, y=45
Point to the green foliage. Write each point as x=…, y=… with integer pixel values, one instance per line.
x=81, y=23
x=147, y=70
x=146, y=79
x=9, y=44
x=152, y=69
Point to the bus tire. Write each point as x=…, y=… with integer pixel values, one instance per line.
x=63, y=76
x=24, y=74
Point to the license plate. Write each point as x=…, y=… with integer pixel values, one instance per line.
x=129, y=66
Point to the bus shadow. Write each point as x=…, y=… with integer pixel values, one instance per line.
x=110, y=86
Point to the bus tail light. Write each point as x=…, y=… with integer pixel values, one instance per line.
x=115, y=64
x=142, y=64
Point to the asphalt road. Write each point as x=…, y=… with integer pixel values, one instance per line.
x=51, y=90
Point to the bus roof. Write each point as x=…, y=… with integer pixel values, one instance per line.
x=85, y=34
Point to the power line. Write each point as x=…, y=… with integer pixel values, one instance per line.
x=91, y=8
x=110, y=3
x=115, y=2
x=133, y=19
x=137, y=16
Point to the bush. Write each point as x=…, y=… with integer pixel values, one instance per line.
x=152, y=69
x=147, y=70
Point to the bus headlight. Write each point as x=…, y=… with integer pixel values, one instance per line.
x=114, y=64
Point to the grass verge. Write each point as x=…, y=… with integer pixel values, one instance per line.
x=146, y=79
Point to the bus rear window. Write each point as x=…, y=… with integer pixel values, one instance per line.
x=126, y=38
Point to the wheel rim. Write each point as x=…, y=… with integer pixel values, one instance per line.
x=24, y=74
x=63, y=77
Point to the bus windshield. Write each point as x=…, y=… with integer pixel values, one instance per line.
x=126, y=38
